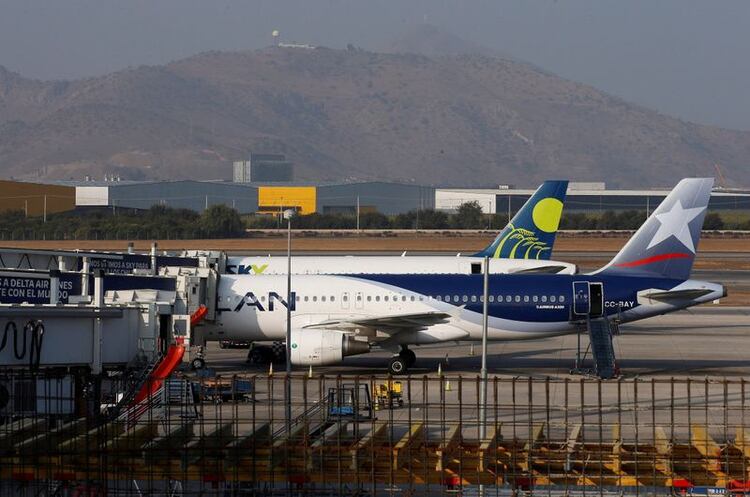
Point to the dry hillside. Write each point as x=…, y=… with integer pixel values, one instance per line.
x=465, y=120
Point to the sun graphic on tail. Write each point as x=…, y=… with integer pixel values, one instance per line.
x=546, y=214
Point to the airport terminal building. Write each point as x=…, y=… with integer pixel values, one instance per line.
x=342, y=198
x=193, y=195
x=581, y=197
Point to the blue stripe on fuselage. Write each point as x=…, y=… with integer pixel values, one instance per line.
x=617, y=289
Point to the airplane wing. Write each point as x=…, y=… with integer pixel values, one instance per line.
x=390, y=324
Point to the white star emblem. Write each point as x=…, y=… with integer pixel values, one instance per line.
x=675, y=223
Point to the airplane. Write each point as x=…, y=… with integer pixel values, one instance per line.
x=335, y=316
x=525, y=244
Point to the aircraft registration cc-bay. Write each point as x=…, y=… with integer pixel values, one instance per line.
x=334, y=316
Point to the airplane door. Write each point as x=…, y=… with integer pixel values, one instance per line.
x=358, y=300
x=581, y=298
x=596, y=297
x=345, y=300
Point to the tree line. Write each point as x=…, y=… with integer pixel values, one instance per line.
x=219, y=221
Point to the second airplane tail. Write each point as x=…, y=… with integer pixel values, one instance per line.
x=531, y=233
x=666, y=243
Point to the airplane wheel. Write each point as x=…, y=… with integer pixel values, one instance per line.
x=409, y=356
x=397, y=365
x=257, y=356
x=198, y=363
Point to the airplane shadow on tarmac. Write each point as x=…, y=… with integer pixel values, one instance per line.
x=528, y=363
x=512, y=365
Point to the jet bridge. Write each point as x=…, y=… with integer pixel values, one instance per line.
x=87, y=260
x=65, y=326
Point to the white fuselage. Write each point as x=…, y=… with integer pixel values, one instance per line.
x=389, y=264
x=251, y=308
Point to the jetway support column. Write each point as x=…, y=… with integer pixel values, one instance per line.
x=54, y=286
x=86, y=266
x=153, y=259
x=96, y=367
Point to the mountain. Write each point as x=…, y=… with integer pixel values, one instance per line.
x=456, y=119
x=433, y=41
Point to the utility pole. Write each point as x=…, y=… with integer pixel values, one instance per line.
x=357, y=212
x=45, y=208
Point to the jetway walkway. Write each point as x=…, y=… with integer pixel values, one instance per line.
x=82, y=321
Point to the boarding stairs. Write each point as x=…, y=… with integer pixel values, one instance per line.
x=600, y=339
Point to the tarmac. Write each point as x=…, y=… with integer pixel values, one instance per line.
x=710, y=340
x=677, y=371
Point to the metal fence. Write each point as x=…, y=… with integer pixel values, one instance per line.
x=378, y=436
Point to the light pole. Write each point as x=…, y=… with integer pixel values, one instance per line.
x=483, y=372
x=288, y=216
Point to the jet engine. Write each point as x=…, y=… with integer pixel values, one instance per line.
x=324, y=347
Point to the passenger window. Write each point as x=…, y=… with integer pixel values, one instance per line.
x=306, y=297
x=377, y=298
x=412, y=298
x=315, y=298
x=403, y=298
x=333, y=298
x=544, y=298
x=297, y=298
x=455, y=298
x=323, y=298
x=562, y=299
x=369, y=298
x=492, y=298
x=518, y=298
x=553, y=299
x=385, y=298
x=447, y=298
x=535, y=298
x=465, y=298
x=508, y=298
x=346, y=298
x=421, y=298
x=474, y=298
x=359, y=298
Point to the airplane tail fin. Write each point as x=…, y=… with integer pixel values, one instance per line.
x=531, y=233
x=666, y=243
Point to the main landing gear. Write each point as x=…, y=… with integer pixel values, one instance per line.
x=402, y=362
x=259, y=355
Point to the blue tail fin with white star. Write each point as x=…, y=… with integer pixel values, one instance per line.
x=665, y=245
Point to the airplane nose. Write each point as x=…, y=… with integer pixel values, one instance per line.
x=725, y=292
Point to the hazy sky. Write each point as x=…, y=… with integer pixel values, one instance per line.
x=688, y=58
